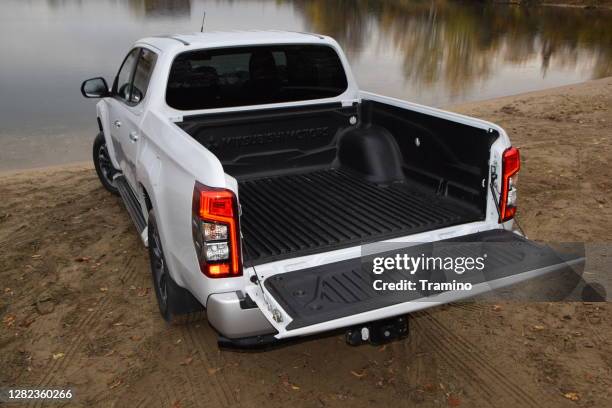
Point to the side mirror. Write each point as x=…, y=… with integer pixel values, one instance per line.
x=95, y=88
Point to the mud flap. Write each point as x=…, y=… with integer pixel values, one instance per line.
x=344, y=294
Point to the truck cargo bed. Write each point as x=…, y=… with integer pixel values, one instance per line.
x=299, y=214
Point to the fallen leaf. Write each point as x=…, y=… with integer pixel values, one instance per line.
x=9, y=320
x=287, y=383
x=573, y=396
x=538, y=327
x=429, y=387
x=178, y=341
x=83, y=259
x=36, y=256
x=103, y=289
x=132, y=287
x=110, y=353
x=115, y=384
x=176, y=404
x=57, y=356
x=142, y=292
x=118, y=324
x=135, y=337
x=213, y=371
x=497, y=308
x=383, y=348
x=187, y=361
x=453, y=401
x=358, y=375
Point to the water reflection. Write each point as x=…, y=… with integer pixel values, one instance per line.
x=161, y=8
x=457, y=43
x=141, y=8
x=434, y=52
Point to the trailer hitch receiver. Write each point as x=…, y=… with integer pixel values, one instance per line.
x=378, y=332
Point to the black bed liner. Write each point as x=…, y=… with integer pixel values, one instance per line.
x=300, y=214
x=345, y=288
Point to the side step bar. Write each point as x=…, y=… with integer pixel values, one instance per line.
x=133, y=206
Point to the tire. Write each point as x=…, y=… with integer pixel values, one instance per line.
x=176, y=304
x=103, y=164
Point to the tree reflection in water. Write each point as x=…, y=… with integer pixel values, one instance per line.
x=458, y=43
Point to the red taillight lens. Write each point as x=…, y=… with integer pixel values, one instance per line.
x=511, y=164
x=215, y=231
x=216, y=203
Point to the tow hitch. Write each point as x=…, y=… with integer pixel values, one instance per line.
x=379, y=332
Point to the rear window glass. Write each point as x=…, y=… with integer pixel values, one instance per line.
x=222, y=78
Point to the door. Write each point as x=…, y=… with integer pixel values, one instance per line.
x=118, y=104
x=127, y=109
x=375, y=287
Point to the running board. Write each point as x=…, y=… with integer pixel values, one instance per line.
x=133, y=207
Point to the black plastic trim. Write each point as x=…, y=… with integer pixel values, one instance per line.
x=249, y=343
x=245, y=301
x=131, y=203
x=216, y=119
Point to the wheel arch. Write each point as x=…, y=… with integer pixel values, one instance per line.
x=153, y=200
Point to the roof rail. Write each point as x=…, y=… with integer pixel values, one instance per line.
x=307, y=33
x=172, y=37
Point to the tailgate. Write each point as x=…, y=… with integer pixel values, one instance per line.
x=343, y=294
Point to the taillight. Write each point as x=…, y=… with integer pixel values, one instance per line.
x=511, y=163
x=215, y=231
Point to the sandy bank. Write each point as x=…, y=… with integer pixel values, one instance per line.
x=77, y=309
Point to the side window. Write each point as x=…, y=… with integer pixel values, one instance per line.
x=122, y=85
x=142, y=75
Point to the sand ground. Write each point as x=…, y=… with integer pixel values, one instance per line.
x=77, y=309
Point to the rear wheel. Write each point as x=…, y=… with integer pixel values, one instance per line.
x=104, y=167
x=176, y=304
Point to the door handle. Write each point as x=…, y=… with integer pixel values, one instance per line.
x=117, y=123
x=133, y=136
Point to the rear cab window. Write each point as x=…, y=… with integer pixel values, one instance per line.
x=254, y=75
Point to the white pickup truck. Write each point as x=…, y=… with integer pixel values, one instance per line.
x=263, y=182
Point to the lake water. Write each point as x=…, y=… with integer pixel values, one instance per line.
x=432, y=52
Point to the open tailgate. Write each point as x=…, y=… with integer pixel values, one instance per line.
x=342, y=294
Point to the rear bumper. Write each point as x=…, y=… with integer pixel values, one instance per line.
x=233, y=319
